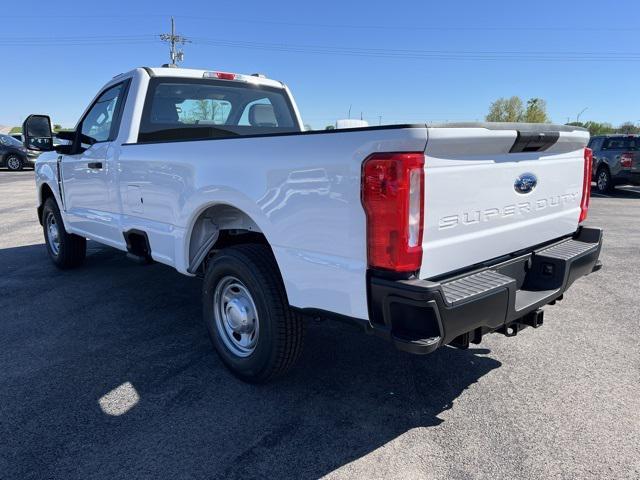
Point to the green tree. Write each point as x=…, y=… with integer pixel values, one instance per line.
x=599, y=128
x=595, y=128
x=205, y=109
x=506, y=110
x=628, y=128
x=512, y=110
x=57, y=127
x=16, y=130
x=536, y=111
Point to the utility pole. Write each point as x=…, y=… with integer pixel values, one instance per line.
x=174, y=39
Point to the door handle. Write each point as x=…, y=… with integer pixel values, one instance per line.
x=95, y=165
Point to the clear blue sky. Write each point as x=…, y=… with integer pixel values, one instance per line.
x=409, y=61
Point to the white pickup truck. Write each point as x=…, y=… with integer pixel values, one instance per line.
x=425, y=235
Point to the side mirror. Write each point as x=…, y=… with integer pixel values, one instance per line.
x=37, y=133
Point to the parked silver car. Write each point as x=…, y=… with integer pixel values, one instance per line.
x=13, y=155
x=616, y=161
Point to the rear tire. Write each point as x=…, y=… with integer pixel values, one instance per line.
x=603, y=180
x=14, y=163
x=66, y=250
x=246, y=311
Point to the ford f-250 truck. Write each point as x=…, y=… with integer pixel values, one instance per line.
x=425, y=235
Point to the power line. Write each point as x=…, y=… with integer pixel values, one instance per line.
x=176, y=56
x=384, y=27
x=380, y=27
x=61, y=40
x=425, y=54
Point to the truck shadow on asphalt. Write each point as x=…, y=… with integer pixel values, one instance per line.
x=69, y=338
x=625, y=192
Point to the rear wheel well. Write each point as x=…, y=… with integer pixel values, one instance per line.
x=217, y=227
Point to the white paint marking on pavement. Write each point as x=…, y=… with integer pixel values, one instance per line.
x=119, y=400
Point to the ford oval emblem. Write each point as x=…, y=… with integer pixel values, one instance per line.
x=525, y=183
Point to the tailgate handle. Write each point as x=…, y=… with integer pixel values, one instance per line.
x=95, y=165
x=534, y=141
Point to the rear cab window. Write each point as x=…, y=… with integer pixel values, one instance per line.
x=631, y=144
x=195, y=109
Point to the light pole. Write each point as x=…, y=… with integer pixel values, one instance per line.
x=581, y=112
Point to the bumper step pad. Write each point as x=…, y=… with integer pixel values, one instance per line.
x=477, y=284
x=567, y=250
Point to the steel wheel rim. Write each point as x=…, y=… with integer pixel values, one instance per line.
x=602, y=180
x=13, y=163
x=236, y=316
x=53, y=233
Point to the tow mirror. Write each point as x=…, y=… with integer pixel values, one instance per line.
x=37, y=133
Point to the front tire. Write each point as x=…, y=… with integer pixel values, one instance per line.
x=66, y=250
x=603, y=180
x=14, y=163
x=246, y=311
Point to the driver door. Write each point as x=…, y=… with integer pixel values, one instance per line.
x=88, y=175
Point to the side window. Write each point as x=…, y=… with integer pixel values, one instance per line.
x=98, y=124
x=595, y=144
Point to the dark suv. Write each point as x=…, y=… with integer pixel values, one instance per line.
x=13, y=155
x=616, y=160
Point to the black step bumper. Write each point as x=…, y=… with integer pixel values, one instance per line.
x=419, y=315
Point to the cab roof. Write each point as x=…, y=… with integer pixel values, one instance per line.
x=254, y=78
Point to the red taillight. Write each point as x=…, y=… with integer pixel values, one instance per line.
x=226, y=76
x=626, y=160
x=586, y=184
x=393, y=200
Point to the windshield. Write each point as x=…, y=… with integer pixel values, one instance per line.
x=189, y=109
x=10, y=141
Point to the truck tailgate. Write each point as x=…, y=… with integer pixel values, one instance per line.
x=495, y=189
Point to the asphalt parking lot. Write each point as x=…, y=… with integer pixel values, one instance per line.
x=107, y=372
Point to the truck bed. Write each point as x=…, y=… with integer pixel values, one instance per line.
x=302, y=190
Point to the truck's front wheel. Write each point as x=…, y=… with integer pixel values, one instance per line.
x=66, y=250
x=253, y=329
